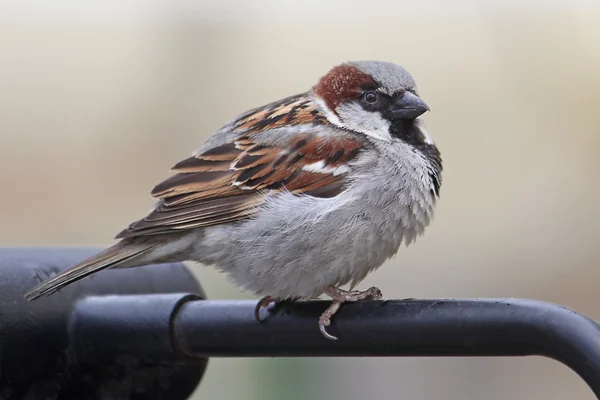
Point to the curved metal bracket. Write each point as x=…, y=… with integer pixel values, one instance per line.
x=394, y=328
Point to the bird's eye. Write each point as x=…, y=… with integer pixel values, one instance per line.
x=370, y=97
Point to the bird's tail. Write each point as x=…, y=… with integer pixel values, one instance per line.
x=123, y=254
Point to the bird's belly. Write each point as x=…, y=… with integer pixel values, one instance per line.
x=297, y=251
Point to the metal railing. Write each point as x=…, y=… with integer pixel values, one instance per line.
x=135, y=329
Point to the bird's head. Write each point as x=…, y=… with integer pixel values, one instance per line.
x=377, y=99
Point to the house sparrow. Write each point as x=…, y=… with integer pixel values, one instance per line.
x=296, y=198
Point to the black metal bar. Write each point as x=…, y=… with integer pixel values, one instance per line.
x=469, y=327
x=140, y=326
x=395, y=328
x=36, y=357
x=130, y=331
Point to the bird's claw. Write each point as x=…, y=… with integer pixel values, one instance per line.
x=340, y=297
x=264, y=302
x=323, y=323
x=373, y=293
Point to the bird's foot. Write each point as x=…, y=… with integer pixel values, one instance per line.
x=340, y=297
x=264, y=302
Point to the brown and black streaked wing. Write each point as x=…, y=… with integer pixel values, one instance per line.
x=227, y=183
x=294, y=110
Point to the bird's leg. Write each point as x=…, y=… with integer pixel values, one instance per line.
x=264, y=302
x=340, y=297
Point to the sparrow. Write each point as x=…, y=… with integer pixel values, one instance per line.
x=294, y=199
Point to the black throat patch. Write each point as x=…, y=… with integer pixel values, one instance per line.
x=408, y=132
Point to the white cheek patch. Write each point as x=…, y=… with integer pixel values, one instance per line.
x=320, y=167
x=355, y=118
x=369, y=123
x=421, y=126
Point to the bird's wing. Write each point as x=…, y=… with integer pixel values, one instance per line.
x=277, y=147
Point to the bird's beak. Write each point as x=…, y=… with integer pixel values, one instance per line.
x=409, y=106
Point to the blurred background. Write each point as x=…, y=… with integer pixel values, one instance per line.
x=99, y=99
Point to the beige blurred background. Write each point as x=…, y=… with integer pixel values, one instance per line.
x=99, y=99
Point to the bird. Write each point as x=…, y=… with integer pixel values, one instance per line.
x=297, y=198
